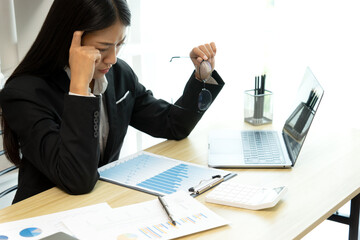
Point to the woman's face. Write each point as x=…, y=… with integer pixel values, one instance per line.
x=108, y=41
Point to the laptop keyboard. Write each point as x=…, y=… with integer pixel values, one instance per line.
x=261, y=147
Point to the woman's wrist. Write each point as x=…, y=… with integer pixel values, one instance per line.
x=79, y=89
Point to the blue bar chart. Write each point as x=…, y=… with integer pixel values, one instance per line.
x=156, y=174
x=168, y=181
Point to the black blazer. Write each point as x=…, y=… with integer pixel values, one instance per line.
x=58, y=132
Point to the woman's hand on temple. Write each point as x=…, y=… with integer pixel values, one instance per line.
x=82, y=61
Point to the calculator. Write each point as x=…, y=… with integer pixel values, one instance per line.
x=245, y=196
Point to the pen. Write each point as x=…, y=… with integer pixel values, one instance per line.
x=310, y=98
x=167, y=210
x=263, y=77
x=313, y=101
x=255, y=88
x=202, y=187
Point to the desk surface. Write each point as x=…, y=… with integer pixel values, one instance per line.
x=325, y=177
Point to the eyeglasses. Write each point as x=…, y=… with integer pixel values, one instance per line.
x=205, y=96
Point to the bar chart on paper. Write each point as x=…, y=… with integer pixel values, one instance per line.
x=156, y=174
x=147, y=220
x=160, y=230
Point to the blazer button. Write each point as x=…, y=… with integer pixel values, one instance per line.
x=96, y=127
x=96, y=114
x=96, y=134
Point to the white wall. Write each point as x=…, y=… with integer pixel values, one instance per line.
x=283, y=36
x=20, y=23
x=30, y=16
x=8, y=39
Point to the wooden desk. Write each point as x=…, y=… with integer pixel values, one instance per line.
x=325, y=177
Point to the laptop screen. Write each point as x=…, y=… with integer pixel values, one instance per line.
x=297, y=125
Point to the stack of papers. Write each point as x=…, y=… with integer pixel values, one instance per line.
x=146, y=220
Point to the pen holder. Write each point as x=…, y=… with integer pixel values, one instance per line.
x=258, y=108
x=299, y=121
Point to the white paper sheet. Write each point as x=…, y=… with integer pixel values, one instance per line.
x=42, y=226
x=147, y=220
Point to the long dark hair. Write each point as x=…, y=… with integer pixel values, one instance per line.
x=50, y=51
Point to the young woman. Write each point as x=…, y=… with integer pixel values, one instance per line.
x=67, y=106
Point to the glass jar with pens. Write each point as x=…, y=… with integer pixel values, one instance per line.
x=258, y=103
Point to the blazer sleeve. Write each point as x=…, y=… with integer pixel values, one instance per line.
x=57, y=132
x=159, y=118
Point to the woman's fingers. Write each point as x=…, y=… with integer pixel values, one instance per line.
x=76, y=40
x=82, y=61
x=205, y=52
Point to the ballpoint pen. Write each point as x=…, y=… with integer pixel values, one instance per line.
x=207, y=184
x=263, y=77
x=167, y=210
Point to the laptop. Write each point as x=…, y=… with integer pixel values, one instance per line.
x=269, y=149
